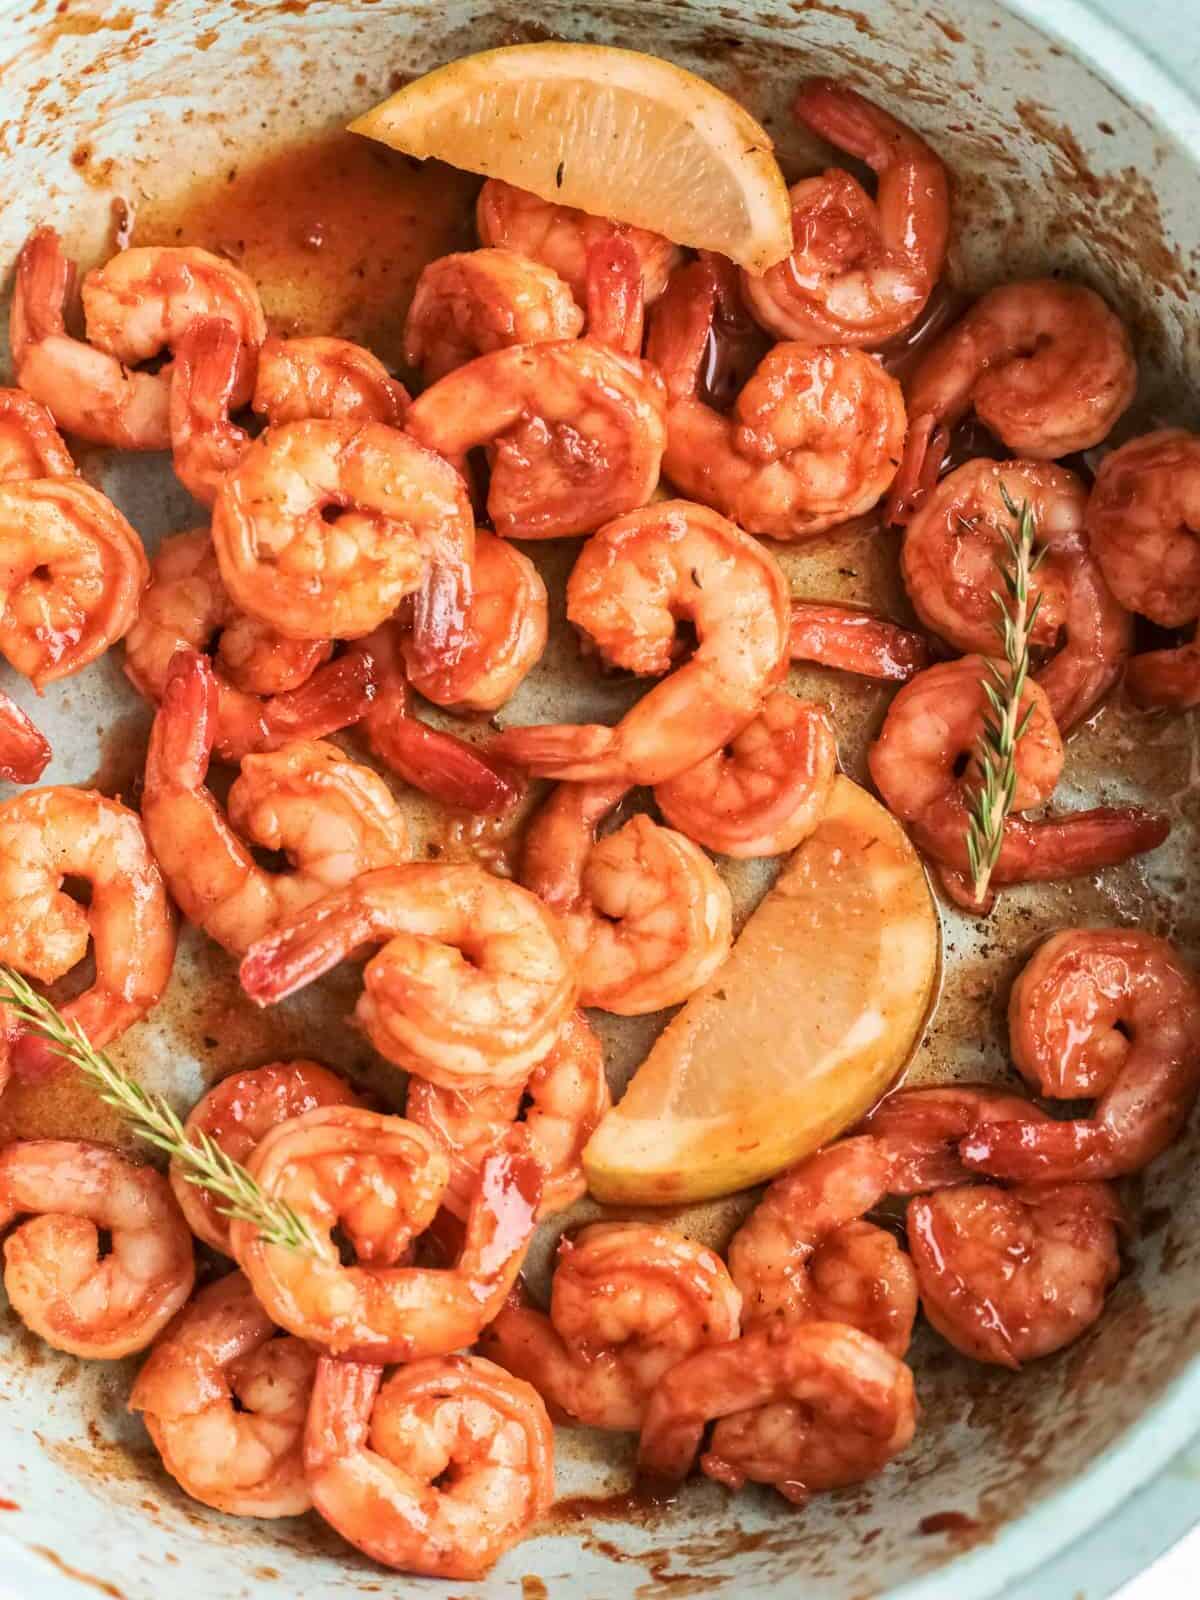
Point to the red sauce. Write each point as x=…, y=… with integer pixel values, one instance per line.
x=8, y=1505
x=947, y=1522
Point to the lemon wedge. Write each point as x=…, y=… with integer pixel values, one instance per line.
x=614, y=132
x=818, y=1007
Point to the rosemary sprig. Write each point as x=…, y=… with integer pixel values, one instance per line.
x=1004, y=686
x=200, y=1158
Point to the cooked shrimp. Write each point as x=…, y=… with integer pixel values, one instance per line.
x=438, y=763
x=634, y=582
x=46, y=837
x=1144, y=521
x=87, y=391
x=1046, y=366
x=805, y=1254
x=575, y=432
x=205, y=443
x=270, y=689
x=851, y=639
x=333, y=818
x=468, y=304
x=472, y=985
x=860, y=270
x=646, y=915
x=225, y=1401
x=1104, y=1014
x=323, y=377
x=71, y=573
x=30, y=444
x=561, y=237
x=240, y=1111
x=505, y=630
x=629, y=1300
x=61, y=1282
x=805, y=1408
x=952, y=545
x=814, y=437
x=439, y=1471
x=1166, y=678
x=324, y=526
x=766, y=790
x=380, y=1180
x=933, y=723
x=24, y=749
x=1009, y=1275
x=918, y=1130
x=561, y=1104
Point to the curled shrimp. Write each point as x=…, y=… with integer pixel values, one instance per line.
x=240, y=1111
x=851, y=639
x=807, y=1407
x=562, y=237
x=30, y=444
x=766, y=790
x=468, y=304
x=380, y=1180
x=439, y=1470
x=225, y=1401
x=24, y=749
x=860, y=270
x=60, y=1281
x=951, y=547
x=270, y=689
x=1169, y=679
x=71, y=573
x=324, y=526
x=646, y=915
x=628, y=1301
x=1009, y=1275
x=1144, y=521
x=1045, y=366
x=472, y=985
x=918, y=1131
x=46, y=837
x=633, y=583
x=805, y=1254
x=933, y=723
x=561, y=1104
x=814, y=438
x=323, y=377
x=1104, y=1014
x=333, y=818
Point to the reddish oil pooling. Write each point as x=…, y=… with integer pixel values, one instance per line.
x=957, y=1522
x=8, y=1505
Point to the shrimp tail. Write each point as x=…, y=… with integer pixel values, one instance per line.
x=559, y=750
x=845, y=119
x=681, y=328
x=181, y=739
x=340, y=1410
x=503, y=1212
x=24, y=749
x=1080, y=1150
x=615, y=305
x=306, y=947
x=448, y=768
x=336, y=696
x=45, y=279
x=856, y=641
x=440, y=609
x=924, y=452
x=1082, y=841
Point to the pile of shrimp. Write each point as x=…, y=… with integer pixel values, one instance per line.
x=351, y=558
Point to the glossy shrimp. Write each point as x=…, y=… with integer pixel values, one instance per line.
x=60, y=1280
x=933, y=723
x=560, y=1105
x=270, y=689
x=1104, y=1014
x=805, y=1408
x=332, y=817
x=562, y=237
x=438, y=1470
x=473, y=983
x=1009, y=1275
x=324, y=526
x=225, y=1401
x=469, y=304
x=852, y=639
x=628, y=1301
x=379, y=1180
x=647, y=917
x=814, y=437
x=861, y=269
x=30, y=444
x=1143, y=518
x=47, y=837
x=24, y=750
x=951, y=547
x=240, y=1111
x=918, y=1131
x=766, y=790
x=634, y=582
x=806, y=1255
x=324, y=377
x=71, y=573
x=1045, y=366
